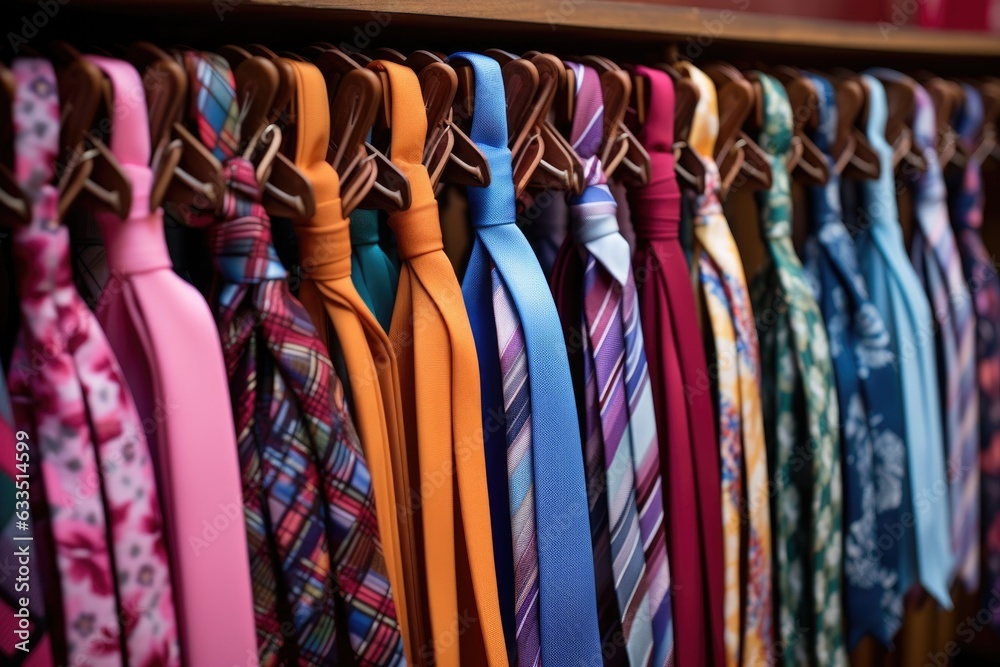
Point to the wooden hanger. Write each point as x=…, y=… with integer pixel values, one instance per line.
x=947, y=98
x=854, y=157
x=900, y=101
x=368, y=178
x=740, y=105
x=808, y=163
x=560, y=167
x=687, y=163
x=93, y=174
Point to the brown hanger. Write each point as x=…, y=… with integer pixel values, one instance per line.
x=687, y=163
x=947, y=98
x=808, y=163
x=560, y=167
x=900, y=101
x=368, y=178
x=14, y=205
x=736, y=153
x=854, y=157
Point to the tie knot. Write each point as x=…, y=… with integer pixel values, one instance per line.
x=241, y=240
x=656, y=207
x=325, y=244
x=708, y=201
x=593, y=214
x=364, y=228
x=417, y=230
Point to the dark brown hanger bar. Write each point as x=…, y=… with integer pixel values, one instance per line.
x=640, y=20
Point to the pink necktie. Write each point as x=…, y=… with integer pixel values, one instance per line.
x=163, y=333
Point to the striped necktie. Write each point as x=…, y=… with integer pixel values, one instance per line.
x=801, y=418
x=308, y=494
x=97, y=483
x=870, y=405
x=686, y=423
x=934, y=253
x=966, y=200
x=617, y=402
x=534, y=463
x=896, y=292
x=736, y=362
x=439, y=380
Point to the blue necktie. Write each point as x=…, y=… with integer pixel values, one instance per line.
x=567, y=609
x=372, y=272
x=897, y=294
x=871, y=411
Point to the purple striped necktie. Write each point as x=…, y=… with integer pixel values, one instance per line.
x=935, y=256
x=618, y=406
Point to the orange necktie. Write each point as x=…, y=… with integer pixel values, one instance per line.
x=439, y=373
x=340, y=314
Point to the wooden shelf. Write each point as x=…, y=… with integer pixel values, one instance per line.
x=641, y=21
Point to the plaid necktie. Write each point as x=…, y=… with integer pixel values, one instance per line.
x=310, y=516
x=934, y=253
x=966, y=200
x=618, y=405
x=535, y=463
x=686, y=424
x=870, y=405
x=896, y=292
x=88, y=442
x=799, y=391
x=741, y=423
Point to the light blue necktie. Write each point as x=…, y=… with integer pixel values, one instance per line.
x=871, y=411
x=897, y=294
x=567, y=608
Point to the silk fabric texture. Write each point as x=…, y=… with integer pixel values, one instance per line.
x=801, y=418
x=735, y=369
x=965, y=196
x=440, y=394
x=351, y=330
x=533, y=454
x=896, y=292
x=114, y=597
x=604, y=334
x=872, y=426
x=677, y=367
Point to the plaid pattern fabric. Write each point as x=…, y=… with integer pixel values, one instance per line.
x=312, y=534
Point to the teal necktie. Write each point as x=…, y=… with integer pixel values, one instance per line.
x=898, y=295
x=372, y=272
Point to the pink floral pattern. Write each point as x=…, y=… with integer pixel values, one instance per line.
x=70, y=396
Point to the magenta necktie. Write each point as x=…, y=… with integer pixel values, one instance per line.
x=678, y=370
x=88, y=442
x=162, y=332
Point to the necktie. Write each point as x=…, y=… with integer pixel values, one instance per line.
x=934, y=253
x=870, y=404
x=896, y=293
x=741, y=423
x=685, y=420
x=595, y=291
x=162, y=333
x=374, y=275
x=439, y=380
x=314, y=546
x=338, y=311
x=966, y=200
x=535, y=462
x=70, y=397
x=799, y=391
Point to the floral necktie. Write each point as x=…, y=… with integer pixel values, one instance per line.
x=870, y=404
x=740, y=418
x=88, y=442
x=617, y=400
x=934, y=253
x=896, y=292
x=966, y=201
x=685, y=422
x=799, y=391
x=310, y=517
